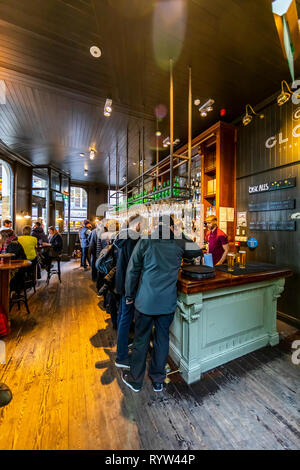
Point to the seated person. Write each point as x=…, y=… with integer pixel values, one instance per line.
x=29, y=243
x=7, y=225
x=9, y=244
x=53, y=249
x=38, y=232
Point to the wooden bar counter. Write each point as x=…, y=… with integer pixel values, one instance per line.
x=220, y=319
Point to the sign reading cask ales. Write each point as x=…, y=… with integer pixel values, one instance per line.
x=273, y=186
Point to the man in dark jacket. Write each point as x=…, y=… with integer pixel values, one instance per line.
x=95, y=247
x=151, y=283
x=125, y=242
x=38, y=232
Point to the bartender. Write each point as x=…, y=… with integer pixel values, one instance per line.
x=217, y=241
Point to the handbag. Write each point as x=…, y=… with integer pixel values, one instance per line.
x=4, y=326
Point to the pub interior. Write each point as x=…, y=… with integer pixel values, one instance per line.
x=135, y=117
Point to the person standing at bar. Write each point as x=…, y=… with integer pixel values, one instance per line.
x=125, y=243
x=217, y=241
x=151, y=283
x=95, y=247
x=84, y=241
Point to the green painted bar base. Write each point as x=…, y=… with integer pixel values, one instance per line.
x=213, y=327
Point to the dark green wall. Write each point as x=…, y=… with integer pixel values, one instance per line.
x=257, y=164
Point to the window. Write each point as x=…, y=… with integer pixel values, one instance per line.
x=5, y=191
x=40, y=178
x=40, y=181
x=55, y=180
x=78, y=203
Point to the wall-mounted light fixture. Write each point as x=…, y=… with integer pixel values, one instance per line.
x=249, y=115
x=284, y=95
x=82, y=154
x=86, y=172
x=92, y=154
x=23, y=215
x=108, y=107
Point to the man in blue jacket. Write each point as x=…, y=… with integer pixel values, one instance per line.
x=151, y=283
x=84, y=242
x=125, y=242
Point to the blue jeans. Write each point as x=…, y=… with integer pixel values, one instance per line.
x=84, y=256
x=125, y=317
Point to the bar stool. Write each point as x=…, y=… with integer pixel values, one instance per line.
x=52, y=271
x=30, y=276
x=17, y=286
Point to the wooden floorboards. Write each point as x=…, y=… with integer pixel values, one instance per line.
x=67, y=393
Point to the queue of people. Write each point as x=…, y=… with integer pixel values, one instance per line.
x=138, y=276
x=135, y=272
x=142, y=275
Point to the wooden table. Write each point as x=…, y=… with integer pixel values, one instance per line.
x=5, y=269
x=6, y=257
x=220, y=319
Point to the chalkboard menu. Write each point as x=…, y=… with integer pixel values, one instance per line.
x=258, y=226
x=272, y=205
x=288, y=225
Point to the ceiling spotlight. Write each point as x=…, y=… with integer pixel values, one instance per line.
x=197, y=102
x=166, y=142
x=92, y=154
x=82, y=154
x=108, y=107
x=206, y=107
x=95, y=51
x=248, y=116
x=158, y=133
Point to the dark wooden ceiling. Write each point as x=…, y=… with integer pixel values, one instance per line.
x=56, y=90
